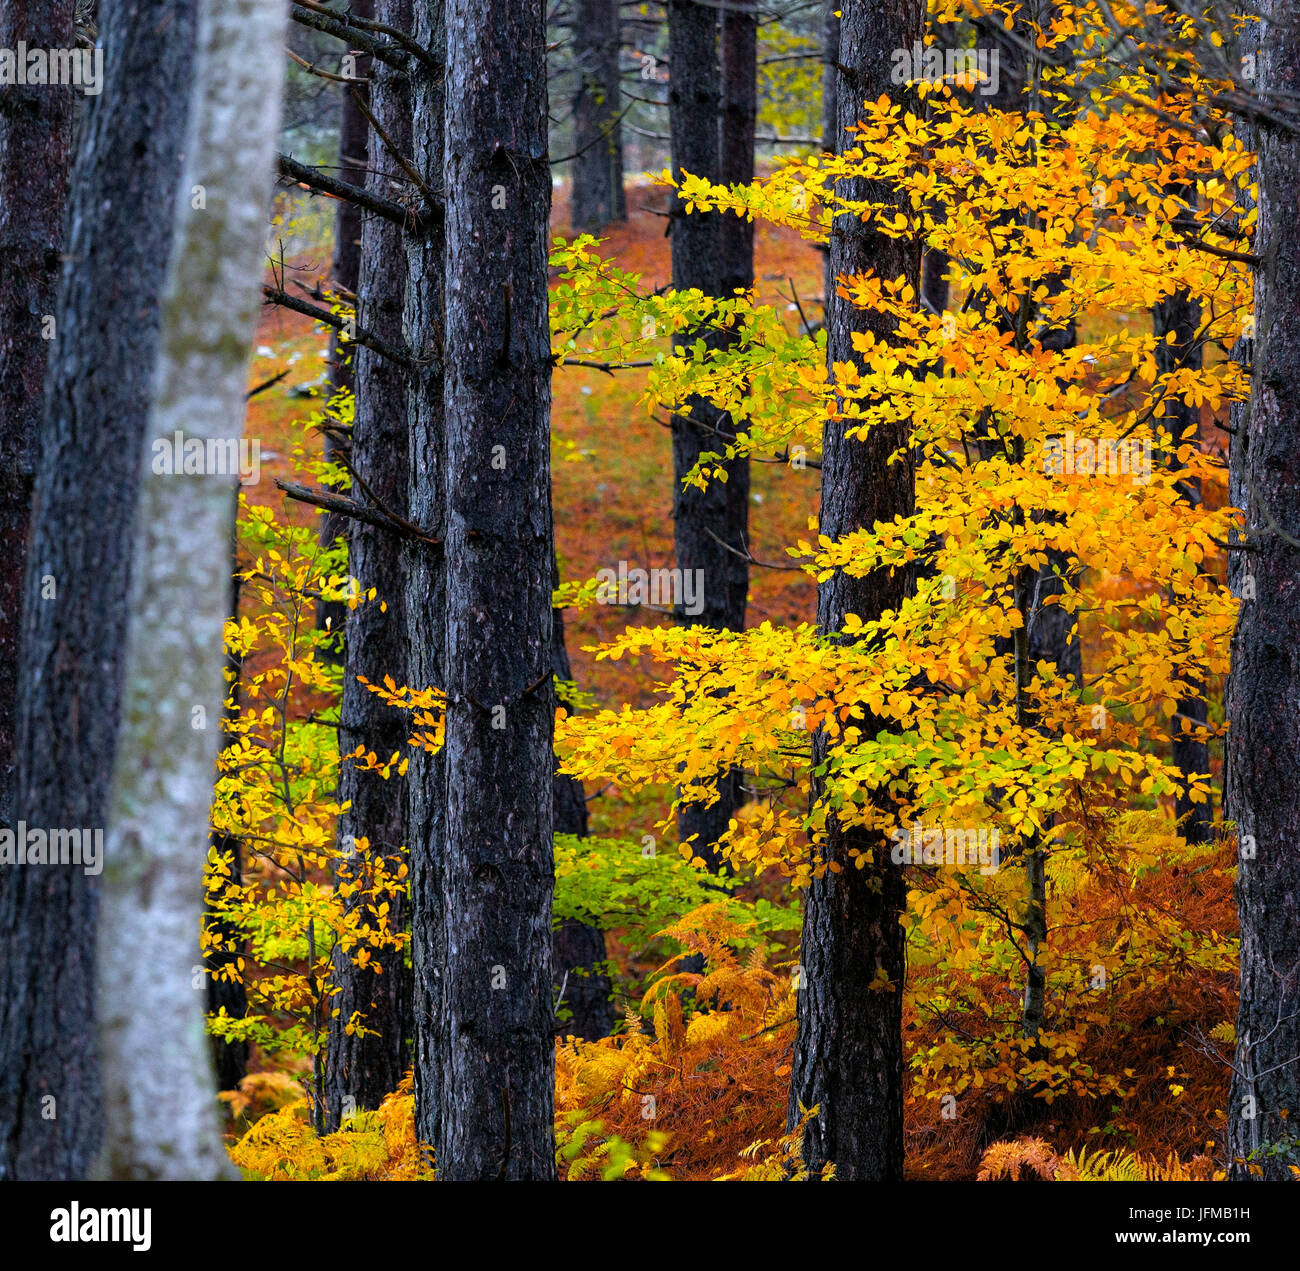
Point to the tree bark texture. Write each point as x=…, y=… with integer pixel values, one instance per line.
x=710, y=526
x=848, y=1060
x=99, y=383
x=497, y=1017
x=166, y=1127
x=1261, y=793
x=361, y=1067
x=35, y=157
x=598, y=196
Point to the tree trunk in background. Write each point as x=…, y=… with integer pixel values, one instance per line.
x=598, y=196
x=426, y=574
x=1261, y=793
x=710, y=526
x=831, y=138
x=739, y=53
x=345, y=272
x=1180, y=317
x=35, y=155
x=167, y=1127
x=934, y=280
x=1053, y=634
x=231, y=995
x=99, y=382
x=497, y=1022
x=362, y=1068
x=848, y=1057
x=576, y=947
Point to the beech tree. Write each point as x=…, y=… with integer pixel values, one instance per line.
x=98, y=387
x=173, y=687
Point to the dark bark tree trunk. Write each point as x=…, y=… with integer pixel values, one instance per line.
x=831, y=138
x=598, y=196
x=739, y=53
x=35, y=156
x=578, y=951
x=497, y=1020
x=1261, y=794
x=362, y=1068
x=1179, y=316
x=848, y=1058
x=425, y=572
x=345, y=272
x=229, y=1058
x=78, y=572
x=167, y=1128
x=710, y=526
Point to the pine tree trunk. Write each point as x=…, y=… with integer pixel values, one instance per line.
x=497, y=1020
x=167, y=1127
x=35, y=156
x=578, y=951
x=425, y=573
x=361, y=1068
x=1261, y=794
x=739, y=53
x=598, y=196
x=225, y=994
x=345, y=272
x=710, y=526
x=831, y=138
x=848, y=1059
x=99, y=381
x=1179, y=316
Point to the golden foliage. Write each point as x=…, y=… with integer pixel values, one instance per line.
x=1009, y=1160
x=378, y=1146
x=708, y=1076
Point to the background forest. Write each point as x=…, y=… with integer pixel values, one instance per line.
x=734, y=562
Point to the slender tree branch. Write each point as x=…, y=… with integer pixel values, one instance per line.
x=351, y=508
x=331, y=22
x=357, y=334
x=323, y=183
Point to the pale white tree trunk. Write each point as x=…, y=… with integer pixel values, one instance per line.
x=160, y=1113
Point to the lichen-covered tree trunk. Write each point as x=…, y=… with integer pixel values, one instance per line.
x=1261, y=793
x=710, y=526
x=99, y=382
x=497, y=1019
x=364, y=1065
x=598, y=196
x=167, y=1127
x=425, y=571
x=35, y=156
x=848, y=1059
